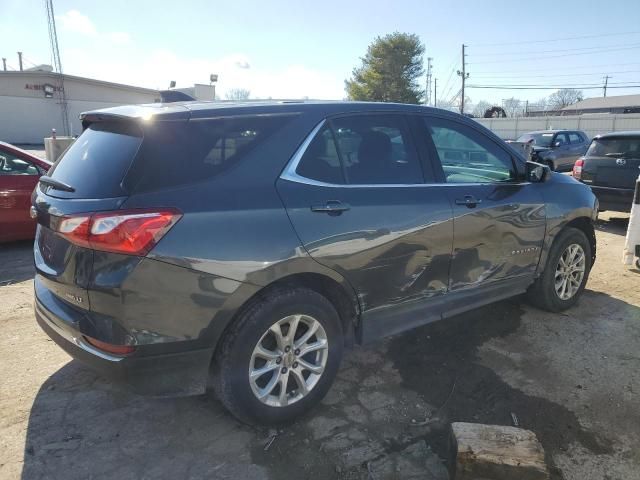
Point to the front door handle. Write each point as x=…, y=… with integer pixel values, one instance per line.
x=332, y=207
x=468, y=201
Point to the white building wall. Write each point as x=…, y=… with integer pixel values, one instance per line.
x=27, y=116
x=592, y=125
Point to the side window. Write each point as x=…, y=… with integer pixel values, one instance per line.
x=575, y=138
x=467, y=156
x=10, y=165
x=561, y=139
x=320, y=161
x=377, y=149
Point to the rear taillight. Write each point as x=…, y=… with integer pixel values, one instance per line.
x=131, y=232
x=110, y=348
x=577, y=168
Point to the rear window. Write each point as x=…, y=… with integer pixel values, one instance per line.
x=112, y=159
x=96, y=162
x=615, y=147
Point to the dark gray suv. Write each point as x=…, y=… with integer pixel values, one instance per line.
x=246, y=246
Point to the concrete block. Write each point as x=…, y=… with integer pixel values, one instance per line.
x=493, y=452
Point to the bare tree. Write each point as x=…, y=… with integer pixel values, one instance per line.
x=237, y=94
x=513, y=106
x=480, y=108
x=564, y=97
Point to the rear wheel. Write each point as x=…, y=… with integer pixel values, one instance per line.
x=280, y=358
x=565, y=274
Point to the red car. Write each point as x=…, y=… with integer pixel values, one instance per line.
x=19, y=174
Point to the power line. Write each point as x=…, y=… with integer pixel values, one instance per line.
x=577, y=87
x=562, y=39
x=570, y=85
x=546, y=57
x=589, y=67
x=491, y=76
x=556, y=50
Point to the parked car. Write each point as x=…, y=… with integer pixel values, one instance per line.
x=559, y=149
x=19, y=174
x=254, y=242
x=610, y=167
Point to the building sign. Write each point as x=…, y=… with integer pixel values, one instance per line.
x=47, y=88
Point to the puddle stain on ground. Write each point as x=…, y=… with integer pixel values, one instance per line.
x=384, y=390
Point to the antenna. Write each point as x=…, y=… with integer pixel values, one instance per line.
x=55, y=52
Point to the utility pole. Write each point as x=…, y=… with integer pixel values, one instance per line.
x=606, y=81
x=435, y=92
x=20, y=60
x=427, y=99
x=4, y=64
x=464, y=75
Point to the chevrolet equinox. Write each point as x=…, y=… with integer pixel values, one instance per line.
x=244, y=246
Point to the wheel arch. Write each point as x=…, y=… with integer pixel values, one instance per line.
x=344, y=302
x=582, y=223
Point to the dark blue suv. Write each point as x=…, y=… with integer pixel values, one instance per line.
x=247, y=245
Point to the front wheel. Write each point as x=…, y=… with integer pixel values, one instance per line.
x=280, y=357
x=565, y=274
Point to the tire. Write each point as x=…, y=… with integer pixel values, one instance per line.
x=543, y=293
x=237, y=355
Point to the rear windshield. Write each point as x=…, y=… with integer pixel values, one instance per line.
x=96, y=162
x=115, y=159
x=615, y=147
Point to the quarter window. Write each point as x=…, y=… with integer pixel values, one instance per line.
x=467, y=157
x=320, y=161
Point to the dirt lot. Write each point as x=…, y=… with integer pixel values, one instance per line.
x=572, y=378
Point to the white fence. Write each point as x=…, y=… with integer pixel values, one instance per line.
x=592, y=125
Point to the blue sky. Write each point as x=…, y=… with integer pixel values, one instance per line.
x=291, y=49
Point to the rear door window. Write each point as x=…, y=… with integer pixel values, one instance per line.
x=377, y=149
x=95, y=164
x=363, y=150
x=575, y=138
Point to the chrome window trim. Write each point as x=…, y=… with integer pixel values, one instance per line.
x=289, y=173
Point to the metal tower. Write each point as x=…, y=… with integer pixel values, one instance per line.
x=57, y=65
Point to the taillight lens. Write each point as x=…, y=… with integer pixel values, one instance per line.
x=577, y=168
x=131, y=232
x=110, y=348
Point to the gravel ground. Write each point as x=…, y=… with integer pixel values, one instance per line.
x=572, y=378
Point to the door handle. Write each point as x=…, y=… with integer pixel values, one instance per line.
x=332, y=207
x=468, y=201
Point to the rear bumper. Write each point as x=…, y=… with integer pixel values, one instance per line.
x=614, y=199
x=163, y=375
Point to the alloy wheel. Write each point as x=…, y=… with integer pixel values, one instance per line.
x=288, y=360
x=570, y=271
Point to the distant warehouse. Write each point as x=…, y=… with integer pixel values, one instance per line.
x=611, y=104
x=31, y=101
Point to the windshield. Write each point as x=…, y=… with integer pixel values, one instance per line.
x=538, y=139
x=615, y=147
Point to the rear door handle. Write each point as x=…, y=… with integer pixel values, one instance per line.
x=468, y=201
x=332, y=207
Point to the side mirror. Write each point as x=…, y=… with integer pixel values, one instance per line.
x=557, y=144
x=536, y=172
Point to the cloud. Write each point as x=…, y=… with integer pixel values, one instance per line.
x=158, y=67
x=119, y=38
x=75, y=21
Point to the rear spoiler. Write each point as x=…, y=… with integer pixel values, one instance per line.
x=136, y=113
